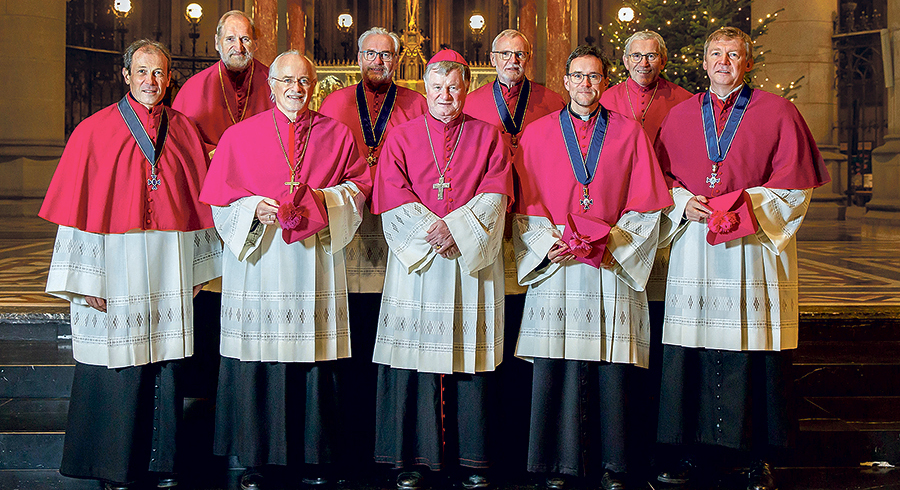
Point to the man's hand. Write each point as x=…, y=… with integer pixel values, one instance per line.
x=608, y=260
x=197, y=288
x=96, y=303
x=559, y=252
x=266, y=212
x=439, y=237
x=695, y=209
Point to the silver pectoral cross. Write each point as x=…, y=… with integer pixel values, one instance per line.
x=713, y=179
x=440, y=186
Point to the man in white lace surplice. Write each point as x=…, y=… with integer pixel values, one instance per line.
x=586, y=322
x=134, y=246
x=731, y=319
x=442, y=189
x=284, y=288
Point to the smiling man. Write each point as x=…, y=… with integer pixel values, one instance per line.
x=231, y=90
x=134, y=246
x=731, y=301
x=442, y=189
x=287, y=188
x=585, y=230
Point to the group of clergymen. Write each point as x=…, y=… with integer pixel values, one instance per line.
x=482, y=196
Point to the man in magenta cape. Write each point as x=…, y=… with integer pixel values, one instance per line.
x=510, y=55
x=587, y=177
x=728, y=139
x=231, y=90
x=385, y=106
x=443, y=184
x=646, y=97
x=121, y=261
x=287, y=188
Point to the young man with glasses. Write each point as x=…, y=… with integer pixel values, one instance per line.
x=585, y=228
x=371, y=109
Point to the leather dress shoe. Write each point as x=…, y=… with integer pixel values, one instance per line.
x=116, y=486
x=476, y=482
x=410, y=480
x=167, y=481
x=612, y=481
x=679, y=475
x=556, y=482
x=317, y=482
x=760, y=477
x=251, y=480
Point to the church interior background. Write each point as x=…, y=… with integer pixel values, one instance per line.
x=62, y=62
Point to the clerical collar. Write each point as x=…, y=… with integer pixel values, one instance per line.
x=237, y=77
x=456, y=121
x=583, y=118
x=636, y=86
x=154, y=112
x=729, y=94
x=510, y=91
x=384, y=87
x=284, y=117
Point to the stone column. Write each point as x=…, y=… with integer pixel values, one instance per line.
x=882, y=220
x=799, y=44
x=559, y=45
x=265, y=16
x=32, y=84
x=296, y=26
x=528, y=27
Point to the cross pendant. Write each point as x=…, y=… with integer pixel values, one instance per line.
x=713, y=179
x=371, y=159
x=153, y=182
x=440, y=186
x=585, y=201
x=514, y=140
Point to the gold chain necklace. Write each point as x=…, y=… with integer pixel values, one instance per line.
x=440, y=185
x=643, y=114
x=292, y=183
x=225, y=96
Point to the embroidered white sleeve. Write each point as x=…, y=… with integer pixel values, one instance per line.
x=207, y=255
x=344, y=203
x=238, y=226
x=533, y=237
x=475, y=231
x=78, y=266
x=633, y=243
x=405, y=231
x=780, y=213
x=672, y=222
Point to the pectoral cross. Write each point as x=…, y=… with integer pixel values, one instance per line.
x=585, y=201
x=153, y=182
x=713, y=179
x=292, y=183
x=371, y=159
x=514, y=140
x=440, y=186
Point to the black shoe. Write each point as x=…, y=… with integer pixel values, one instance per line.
x=612, y=481
x=410, y=480
x=317, y=482
x=679, y=475
x=476, y=482
x=556, y=482
x=116, y=486
x=167, y=481
x=760, y=477
x=252, y=479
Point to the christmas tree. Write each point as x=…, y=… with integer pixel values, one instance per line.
x=685, y=24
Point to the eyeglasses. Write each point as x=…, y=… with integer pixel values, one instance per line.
x=578, y=77
x=636, y=57
x=303, y=81
x=370, y=55
x=505, y=55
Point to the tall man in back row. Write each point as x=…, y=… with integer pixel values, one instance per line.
x=742, y=165
x=512, y=102
x=370, y=108
x=646, y=97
